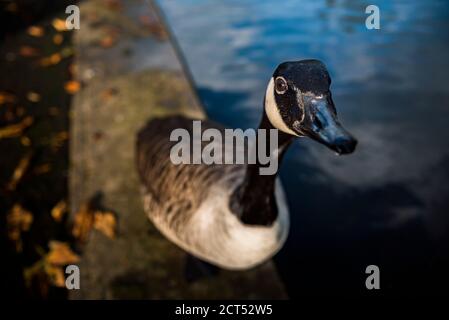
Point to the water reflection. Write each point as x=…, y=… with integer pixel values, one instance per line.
x=386, y=204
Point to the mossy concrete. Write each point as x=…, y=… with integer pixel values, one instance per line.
x=116, y=100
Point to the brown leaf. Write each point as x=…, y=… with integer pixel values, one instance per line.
x=59, y=24
x=88, y=217
x=106, y=223
x=6, y=97
x=15, y=130
x=55, y=275
x=55, y=58
x=25, y=141
x=58, y=39
x=35, y=31
x=83, y=223
x=61, y=254
x=19, y=171
x=59, y=139
x=33, y=96
x=72, y=87
x=59, y=210
x=27, y=51
x=18, y=220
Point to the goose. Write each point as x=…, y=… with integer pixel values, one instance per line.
x=230, y=215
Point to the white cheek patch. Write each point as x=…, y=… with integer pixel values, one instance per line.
x=272, y=110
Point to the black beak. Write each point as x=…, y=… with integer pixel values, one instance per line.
x=322, y=125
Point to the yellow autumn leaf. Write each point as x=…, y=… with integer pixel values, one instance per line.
x=28, y=51
x=55, y=275
x=106, y=223
x=83, y=223
x=72, y=87
x=18, y=220
x=59, y=210
x=15, y=130
x=19, y=171
x=61, y=254
x=53, y=59
x=58, y=39
x=35, y=31
x=33, y=96
x=59, y=24
x=6, y=97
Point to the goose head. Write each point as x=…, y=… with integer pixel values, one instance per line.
x=298, y=102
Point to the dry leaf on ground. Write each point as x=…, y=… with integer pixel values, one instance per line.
x=87, y=218
x=61, y=254
x=72, y=87
x=15, y=130
x=35, y=31
x=106, y=223
x=6, y=97
x=59, y=24
x=50, y=267
x=58, y=39
x=27, y=51
x=51, y=60
x=18, y=220
x=33, y=96
x=19, y=171
x=59, y=210
x=83, y=223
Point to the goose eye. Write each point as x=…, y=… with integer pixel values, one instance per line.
x=280, y=85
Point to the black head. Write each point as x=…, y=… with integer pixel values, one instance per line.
x=298, y=101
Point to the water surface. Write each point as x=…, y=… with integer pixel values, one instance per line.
x=388, y=203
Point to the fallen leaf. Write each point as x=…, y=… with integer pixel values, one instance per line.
x=25, y=141
x=33, y=96
x=59, y=24
x=108, y=41
x=35, y=31
x=18, y=220
x=58, y=140
x=61, y=254
x=55, y=275
x=27, y=51
x=19, y=171
x=49, y=269
x=59, y=210
x=6, y=97
x=15, y=130
x=58, y=39
x=51, y=60
x=106, y=223
x=72, y=87
x=83, y=223
x=88, y=217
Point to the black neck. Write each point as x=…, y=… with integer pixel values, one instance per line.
x=254, y=200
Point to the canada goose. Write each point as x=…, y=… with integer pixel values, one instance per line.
x=229, y=214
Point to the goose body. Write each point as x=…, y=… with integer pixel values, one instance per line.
x=189, y=203
x=229, y=214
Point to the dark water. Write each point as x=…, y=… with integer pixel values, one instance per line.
x=387, y=204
